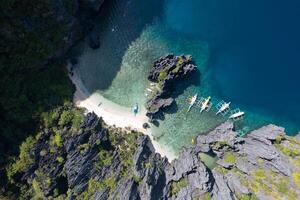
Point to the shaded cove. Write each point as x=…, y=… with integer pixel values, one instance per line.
x=255, y=48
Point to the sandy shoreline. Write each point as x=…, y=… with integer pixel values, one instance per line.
x=114, y=114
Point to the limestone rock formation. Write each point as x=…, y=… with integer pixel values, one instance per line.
x=165, y=73
x=101, y=162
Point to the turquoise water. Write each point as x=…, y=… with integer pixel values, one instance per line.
x=208, y=159
x=228, y=55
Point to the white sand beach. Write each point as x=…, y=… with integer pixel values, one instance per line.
x=114, y=114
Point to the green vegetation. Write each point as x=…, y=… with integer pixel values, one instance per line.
x=230, y=158
x=178, y=65
x=95, y=185
x=282, y=187
x=162, y=75
x=296, y=177
x=137, y=179
x=205, y=196
x=37, y=192
x=259, y=174
x=71, y=117
x=57, y=140
x=60, y=159
x=268, y=182
x=296, y=162
x=147, y=165
x=279, y=139
x=84, y=147
x=105, y=158
x=221, y=169
x=126, y=147
x=247, y=197
x=176, y=186
x=288, y=151
x=219, y=144
x=24, y=159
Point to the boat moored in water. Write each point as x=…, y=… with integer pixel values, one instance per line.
x=223, y=108
x=192, y=101
x=205, y=104
x=237, y=115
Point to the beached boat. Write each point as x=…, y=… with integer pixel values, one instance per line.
x=223, y=107
x=136, y=109
x=192, y=101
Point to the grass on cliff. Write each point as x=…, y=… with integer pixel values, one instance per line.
x=296, y=177
x=94, y=185
x=162, y=75
x=269, y=183
x=177, y=186
x=291, y=152
x=178, y=65
x=230, y=158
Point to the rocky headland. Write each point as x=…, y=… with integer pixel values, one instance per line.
x=164, y=74
x=96, y=161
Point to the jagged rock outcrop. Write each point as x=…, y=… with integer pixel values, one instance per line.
x=166, y=71
x=101, y=162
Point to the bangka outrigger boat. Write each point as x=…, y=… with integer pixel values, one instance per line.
x=135, y=109
x=192, y=101
x=205, y=104
x=223, y=108
x=237, y=115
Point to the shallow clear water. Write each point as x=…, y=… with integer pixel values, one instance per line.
x=246, y=53
x=208, y=159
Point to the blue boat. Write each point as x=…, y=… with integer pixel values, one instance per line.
x=136, y=109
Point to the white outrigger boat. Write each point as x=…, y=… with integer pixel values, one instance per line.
x=205, y=104
x=236, y=115
x=223, y=108
x=192, y=101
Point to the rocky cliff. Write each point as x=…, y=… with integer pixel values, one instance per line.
x=35, y=37
x=96, y=161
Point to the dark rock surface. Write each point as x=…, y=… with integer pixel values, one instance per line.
x=246, y=167
x=93, y=39
x=79, y=25
x=165, y=73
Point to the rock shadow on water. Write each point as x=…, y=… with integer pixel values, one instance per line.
x=194, y=79
x=118, y=24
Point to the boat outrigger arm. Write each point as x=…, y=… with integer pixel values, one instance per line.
x=192, y=101
x=223, y=108
x=205, y=104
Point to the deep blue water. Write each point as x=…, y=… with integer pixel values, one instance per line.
x=255, y=51
x=247, y=52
